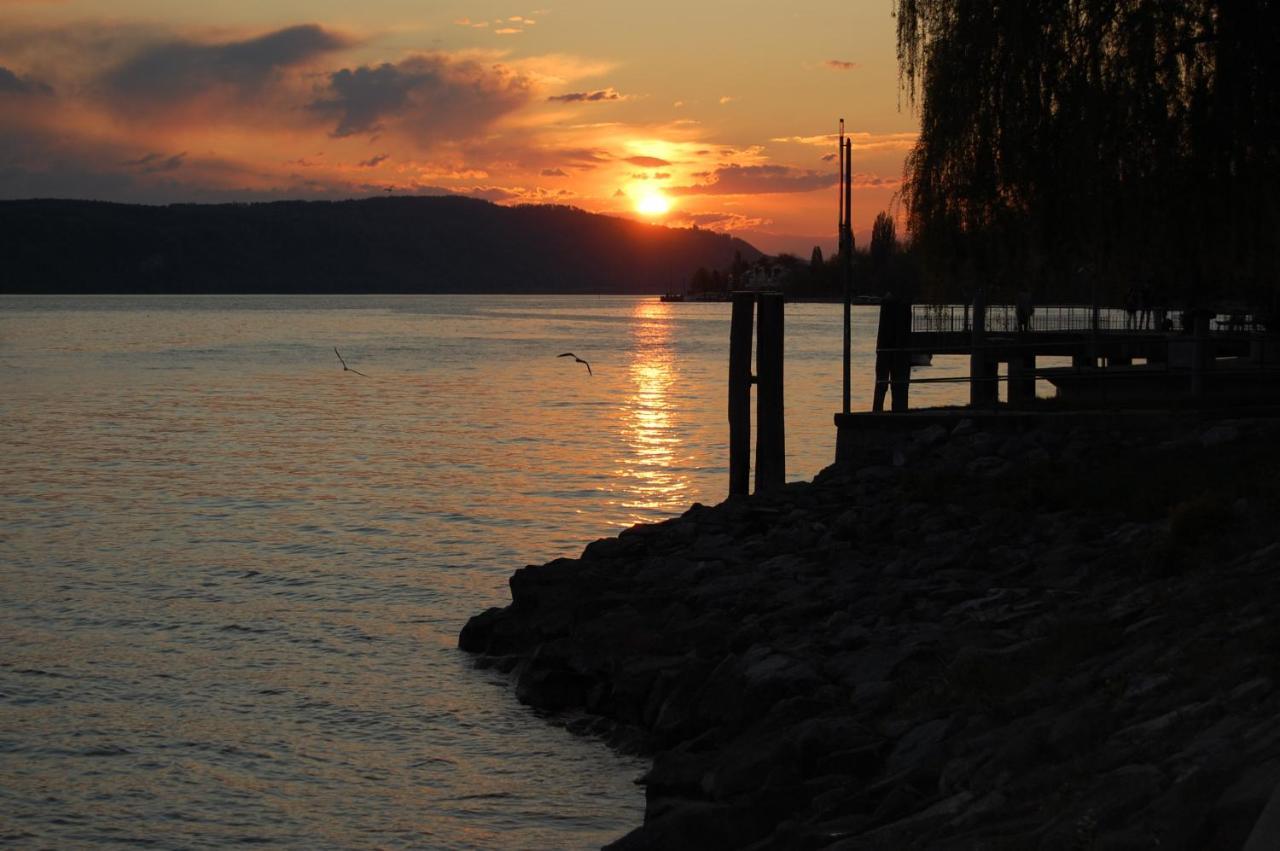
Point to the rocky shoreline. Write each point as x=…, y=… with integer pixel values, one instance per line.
x=1053, y=634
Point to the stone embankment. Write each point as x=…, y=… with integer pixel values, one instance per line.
x=1055, y=637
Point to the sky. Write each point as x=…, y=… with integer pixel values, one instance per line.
x=704, y=113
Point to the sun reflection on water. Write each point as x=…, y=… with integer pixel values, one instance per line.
x=656, y=484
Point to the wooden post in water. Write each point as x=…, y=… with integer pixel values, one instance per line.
x=771, y=461
x=740, y=333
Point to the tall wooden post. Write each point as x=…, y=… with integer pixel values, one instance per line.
x=770, y=422
x=983, y=390
x=740, y=333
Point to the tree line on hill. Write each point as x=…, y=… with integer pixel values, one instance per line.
x=886, y=265
x=385, y=245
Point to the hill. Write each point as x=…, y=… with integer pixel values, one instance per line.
x=386, y=245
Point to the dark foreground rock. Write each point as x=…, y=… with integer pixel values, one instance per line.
x=1058, y=638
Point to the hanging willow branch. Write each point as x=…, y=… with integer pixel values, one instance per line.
x=1135, y=140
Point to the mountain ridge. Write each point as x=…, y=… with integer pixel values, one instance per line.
x=415, y=244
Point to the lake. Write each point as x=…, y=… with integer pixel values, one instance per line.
x=233, y=574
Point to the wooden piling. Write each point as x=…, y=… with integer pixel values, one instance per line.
x=1022, y=378
x=984, y=389
x=740, y=333
x=770, y=422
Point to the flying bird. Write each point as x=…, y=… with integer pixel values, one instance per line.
x=346, y=368
x=578, y=359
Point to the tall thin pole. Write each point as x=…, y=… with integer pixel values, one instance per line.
x=846, y=260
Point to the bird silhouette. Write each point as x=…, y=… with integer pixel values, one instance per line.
x=346, y=368
x=578, y=359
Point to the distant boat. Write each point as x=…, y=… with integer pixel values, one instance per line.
x=673, y=297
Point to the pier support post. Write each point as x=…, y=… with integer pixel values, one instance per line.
x=1022, y=378
x=984, y=391
x=740, y=333
x=1201, y=357
x=770, y=421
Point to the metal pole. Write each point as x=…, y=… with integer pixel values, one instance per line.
x=846, y=257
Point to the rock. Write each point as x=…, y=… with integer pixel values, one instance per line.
x=920, y=750
x=1218, y=435
x=987, y=466
x=977, y=648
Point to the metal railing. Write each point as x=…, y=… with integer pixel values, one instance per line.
x=1048, y=318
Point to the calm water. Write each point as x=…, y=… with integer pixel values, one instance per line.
x=233, y=576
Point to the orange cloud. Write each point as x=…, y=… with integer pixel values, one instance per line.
x=589, y=97
x=758, y=180
x=427, y=97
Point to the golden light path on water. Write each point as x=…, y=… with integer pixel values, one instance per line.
x=650, y=425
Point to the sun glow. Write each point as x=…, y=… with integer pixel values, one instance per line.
x=652, y=203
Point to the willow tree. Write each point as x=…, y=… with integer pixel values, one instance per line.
x=1087, y=143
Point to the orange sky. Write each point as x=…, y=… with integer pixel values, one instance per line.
x=713, y=113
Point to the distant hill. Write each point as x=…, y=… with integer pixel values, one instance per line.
x=385, y=245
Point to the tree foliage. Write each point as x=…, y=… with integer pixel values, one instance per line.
x=1136, y=139
x=884, y=240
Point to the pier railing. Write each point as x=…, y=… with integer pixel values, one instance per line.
x=1003, y=318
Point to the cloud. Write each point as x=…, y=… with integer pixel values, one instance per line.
x=155, y=163
x=862, y=140
x=430, y=97
x=660, y=175
x=589, y=97
x=554, y=172
x=170, y=72
x=648, y=162
x=11, y=83
x=721, y=222
x=373, y=161
x=826, y=158
x=758, y=180
x=508, y=31
x=727, y=99
x=841, y=65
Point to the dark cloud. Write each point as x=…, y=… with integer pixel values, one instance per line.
x=169, y=72
x=431, y=96
x=373, y=161
x=11, y=83
x=154, y=163
x=590, y=97
x=640, y=175
x=841, y=65
x=554, y=172
x=758, y=180
x=647, y=162
x=826, y=158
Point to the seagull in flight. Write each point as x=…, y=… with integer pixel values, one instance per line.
x=578, y=359
x=346, y=368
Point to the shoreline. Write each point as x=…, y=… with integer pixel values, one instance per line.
x=963, y=637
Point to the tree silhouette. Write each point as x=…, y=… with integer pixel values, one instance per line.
x=1137, y=139
x=884, y=241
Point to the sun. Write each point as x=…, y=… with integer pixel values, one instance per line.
x=652, y=203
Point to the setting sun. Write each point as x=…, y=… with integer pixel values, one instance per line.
x=652, y=203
